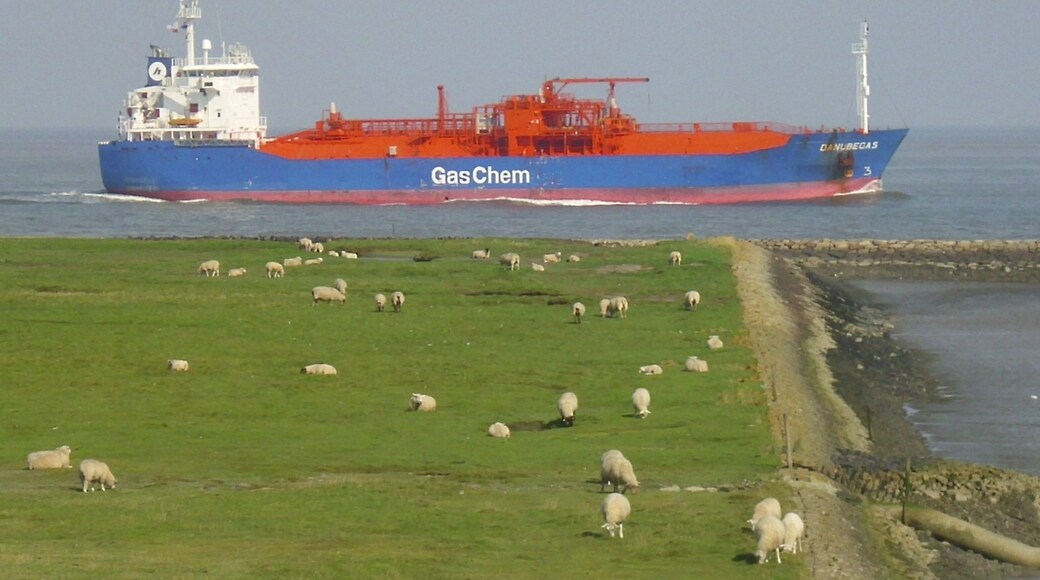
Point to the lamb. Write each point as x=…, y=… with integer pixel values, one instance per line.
x=675, y=259
x=209, y=268
x=380, y=302
x=333, y=253
x=511, y=260
x=578, y=310
x=651, y=370
x=482, y=254
x=317, y=248
x=327, y=294
x=348, y=255
x=500, y=430
x=604, y=307
x=91, y=471
x=618, y=307
x=714, y=342
x=770, y=506
x=318, y=369
x=567, y=405
x=50, y=459
x=304, y=244
x=696, y=365
x=615, y=510
x=313, y=261
x=397, y=301
x=177, y=365
x=341, y=285
x=289, y=262
x=770, y=534
x=574, y=258
x=420, y=402
x=274, y=270
x=794, y=527
x=537, y=267
x=691, y=299
x=641, y=402
x=236, y=272
x=551, y=258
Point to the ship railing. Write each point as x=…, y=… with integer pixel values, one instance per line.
x=449, y=125
x=745, y=126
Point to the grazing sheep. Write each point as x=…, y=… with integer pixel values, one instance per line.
x=333, y=253
x=691, y=299
x=327, y=294
x=794, y=527
x=770, y=534
x=618, y=307
x=770, y=506
x=348, y=255
x=606, y=468
x=176, y=364
x=236, y=272
x=397, y=301
x=675, y=259
x=615, y=510
x=313, y=261
x=578, y=310
x=341, y=285
x=317, y=248
x=289, y=262
x=714, y=342
x=651, y=370
x=50, y=459
x=604, y=307
x=420, y=402
x=641, y=402
x=696, y=365
x=510, y=260
x=92, y=471
x=574, y=258
x=209, y=268
x=318, y=369
x=551, y=258
x=304, y=244
x=622, y=474
x=482, y=254
x=567, y=405
x=380, y=302
x=500, y=430
x=274, y=270
x=537, y=267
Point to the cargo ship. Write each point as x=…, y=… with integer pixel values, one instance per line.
x=194, y=132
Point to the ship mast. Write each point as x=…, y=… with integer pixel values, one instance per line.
x=188, y=13
x=862, y=88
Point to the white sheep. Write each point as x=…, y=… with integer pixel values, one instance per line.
x=341, y=285
x=574, y=258
x=313, y=261
x=177, y=365
x=618, y=307
x=236, y=272
x=567, y=405
x=510, y=260
x=651, y=370
x=770, y=534
x=333, y=253
x=794, y=527
x=500, y=430
x=290, y=262
x=421, y=402
x=537, y=267
x=623, y=475
x=397, y=301
x=578, y=310
x=50, y=459
x=318, y=369
x=770, y=506
x=551, y=258
x=615, y=510
x=696, y=365
x=327, y=294
x=604, y=307
x=92, y=471
x=304, y=244
x=675, y=259
x=691, y=299
x=482, y=254
x=274, y=270
x=317, y=248
x=380, y=302
x=209, y=268
x=348, y=255
x=714, y=342
x=606, y=468
x=641, y=402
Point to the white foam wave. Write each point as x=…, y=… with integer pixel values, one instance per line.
x=119, y=197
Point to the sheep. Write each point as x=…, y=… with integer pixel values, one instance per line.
x=578, y=310
x=420, y=402
x=209, y=268
x=304, y=244
x=537, y=267
x=618, y=307
x=691, y=299
x=177, y=365
x=341, y=285
x=317, y=248
x=274, y=270
x=794, y=527
x=651, y=370
x=289, y=262
x=380, y=302
x=574, y=258
x=714, y=342
x=615, y=510
x=622, y=475
x=50, y=459
x=318, y=369
x=482, y=254
x=397, y=301
x=91, y=471
x=333, y=253
x=313, y=261
x=551, y=258
x=604, y=307
x=770, y=534
x=348, y=255
x=696, y=365
x=675, y=259
x=770, y=506
x=641, y=402
x=510, y=260
x=567, y=405
x=236, y=272
x=606, y=468
x=500, y=430
x=327, y=294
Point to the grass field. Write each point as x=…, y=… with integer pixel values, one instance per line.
x=243, y=467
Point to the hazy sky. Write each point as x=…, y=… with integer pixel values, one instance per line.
x=70, y=63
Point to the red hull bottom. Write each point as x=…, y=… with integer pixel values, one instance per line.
x=678, y=196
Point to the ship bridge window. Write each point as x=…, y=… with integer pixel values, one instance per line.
x=194, y=108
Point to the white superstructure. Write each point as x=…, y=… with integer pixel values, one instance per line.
x=191, y=98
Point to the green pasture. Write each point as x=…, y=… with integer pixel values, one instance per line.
x=245, y=468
